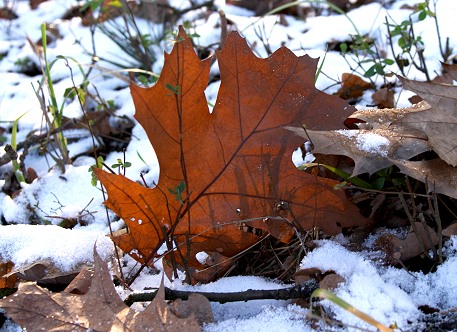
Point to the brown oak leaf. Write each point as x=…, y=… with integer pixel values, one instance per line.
x=100, y=309
x=407, y=132
x=371, y=150
x=438, y=119
x=227, y=172
x=352, y=86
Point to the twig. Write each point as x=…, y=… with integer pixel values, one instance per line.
x=10, y=154
x=295, y=292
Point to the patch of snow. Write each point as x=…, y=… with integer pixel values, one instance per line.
x=369, y=142
x=66, y=248
x=373, y=143
x=364, y=287
x=291, y=318
x=202, y=257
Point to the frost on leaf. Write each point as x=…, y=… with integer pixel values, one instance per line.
x=393, y=136
x=232, y=168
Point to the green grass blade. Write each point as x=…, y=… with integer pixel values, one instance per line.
x=320, y=66
x=325, y=294
x=354, y=180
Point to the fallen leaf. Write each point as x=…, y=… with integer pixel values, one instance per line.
x=438, y=120
x=384, y=98
x=450, y=70
x=450, y=230
x=439, y=176
x=386, y=118
x=222, y=170
x=352, y=86
x=371, y=150
x=45, y=272
x=331, y=281
x=99, y=309
x=196, y=305
x=413, y=245
x=7, y=281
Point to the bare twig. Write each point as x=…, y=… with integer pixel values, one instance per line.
x=295, y=292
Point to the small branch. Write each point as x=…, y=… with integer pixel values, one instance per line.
x=295, y=292
x=10, y=154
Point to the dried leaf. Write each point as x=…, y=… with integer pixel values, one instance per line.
x=352, y=86
x=6, y=280
x=222, y=170
x=197, y=305
x=45, y=272
x=371, y=150
x=450, y=230
x=438, y=121
x=437, y=174
x=450, y=70
x=413, y=245
x=100, y=309
x=384, y=98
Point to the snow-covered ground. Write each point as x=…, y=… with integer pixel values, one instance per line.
x=389, y=295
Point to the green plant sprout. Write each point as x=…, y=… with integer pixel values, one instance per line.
x=16, y=167
x=56, y=113
x=98, y=164
x=346, y=176
x=126, y=35
x=176, y=90
x=178, y=191
x=412, y=45
x=381, y=180
x=121, y=165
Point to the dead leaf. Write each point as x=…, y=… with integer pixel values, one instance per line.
x=437, y=174
x=233, y=166
x=439, y=120
x=450, y=70
x=81, y=283
x=100, y=309
x=413, y=245
x=196, y=305
x=35, y=3
x=331, y=281
x=352, y=86
x=384, y=98
x=45, y=272
x=371, y=150
x=7, y=281
x=450, y=230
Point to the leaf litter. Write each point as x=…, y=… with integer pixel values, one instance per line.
x=421, y=296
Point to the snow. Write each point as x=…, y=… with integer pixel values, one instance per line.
x=389, y=295
x=373, y=143
x=65, y=248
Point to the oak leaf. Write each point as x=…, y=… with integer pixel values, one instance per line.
x=229, y=171
x=402, y=133
x=352, y=86
x=379, y=143
x=438, y=119
x=100, y=309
